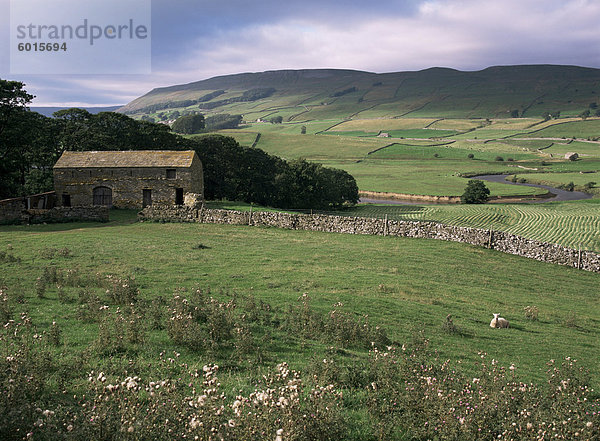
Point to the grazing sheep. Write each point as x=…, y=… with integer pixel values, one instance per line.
x=498, y=322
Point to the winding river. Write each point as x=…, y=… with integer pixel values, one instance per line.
x=559, y=195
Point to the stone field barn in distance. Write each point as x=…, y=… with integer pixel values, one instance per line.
x=129, y=179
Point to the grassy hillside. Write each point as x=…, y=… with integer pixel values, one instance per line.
x=309, y=95
x=440, y=124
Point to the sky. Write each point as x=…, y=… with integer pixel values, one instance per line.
x=193, y=40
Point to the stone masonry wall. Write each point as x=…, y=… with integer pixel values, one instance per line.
x=497, y=240
x=11, y=210
x=69, y=214
x=128, y=183
x=17, y=213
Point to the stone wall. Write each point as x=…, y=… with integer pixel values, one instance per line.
x=11, y=210
x=14, y=211
x=94, y=213
x=497, y=240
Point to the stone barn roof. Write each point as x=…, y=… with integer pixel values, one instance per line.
x=125, y=159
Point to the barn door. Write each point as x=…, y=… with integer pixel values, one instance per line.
x=147, y=198
x=103, y=196
x=179, y=196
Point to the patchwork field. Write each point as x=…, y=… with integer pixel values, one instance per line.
x=411, y=162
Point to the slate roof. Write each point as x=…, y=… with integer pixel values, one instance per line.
x=126, y=159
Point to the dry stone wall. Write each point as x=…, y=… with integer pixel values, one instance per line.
x=11, y=210
x=16, y=213
x=497, y=240
x=96, y=213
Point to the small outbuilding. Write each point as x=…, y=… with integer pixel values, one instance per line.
x=129, y=179
x=571, y=156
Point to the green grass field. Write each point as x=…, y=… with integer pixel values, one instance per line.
x=438, y=177
x=575, y=129
x=412, y=167
x=403, y=285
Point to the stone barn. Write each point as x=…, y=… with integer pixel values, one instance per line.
x=129, y=179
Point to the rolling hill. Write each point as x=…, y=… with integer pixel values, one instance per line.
x=320, y=94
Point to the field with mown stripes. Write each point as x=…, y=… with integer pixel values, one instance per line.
x=568, y=224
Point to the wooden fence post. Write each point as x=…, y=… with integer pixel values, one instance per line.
x=490, y=239
x=250, y=217
x=579, y=258
x=385, y=226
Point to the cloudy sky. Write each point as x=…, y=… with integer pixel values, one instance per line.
x=198, y=39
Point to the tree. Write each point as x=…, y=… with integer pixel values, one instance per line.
x=303, y=130
x=30, y=149
x=28, y=143
x=277, y=119
x=13, y=98
x=223, y=121
x=189, y=124
x=475, y=193
x=585, y=114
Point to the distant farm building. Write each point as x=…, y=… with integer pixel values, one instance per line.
x=571, y=156
x=129, y=179
x=383, y=135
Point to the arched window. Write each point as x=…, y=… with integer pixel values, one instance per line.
x=103, y=196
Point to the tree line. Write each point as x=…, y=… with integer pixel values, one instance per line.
x=30, y=145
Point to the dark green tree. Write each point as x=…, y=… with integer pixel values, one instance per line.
x=75, y=128
x=189, y=124
x=276, y=119
x=475, y=193
x=13, y=99
x=223, y=121
x=28, y=144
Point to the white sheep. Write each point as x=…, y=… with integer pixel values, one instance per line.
x=498, y=322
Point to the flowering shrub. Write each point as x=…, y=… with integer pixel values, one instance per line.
x=51, y=253
x=5, y=307
x=6, y=257
x=410, y=394
x=201, y=322
x=195, y=407
x=121, y=290
x=40, y=288
x=531, y=312
x=430, y=400
x=119, y=331
x=339, y=326
x=23, y=372
x=90, y=306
